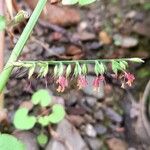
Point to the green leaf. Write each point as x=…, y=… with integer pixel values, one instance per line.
x=81, y=2
x=69, y=2
x=86, y=2
x=42, y=139
x=58, y=114
x=2, y=23
x=44, y=121
x=68, y=70
x=9, y=142
x=42, y=97
x=22, y=121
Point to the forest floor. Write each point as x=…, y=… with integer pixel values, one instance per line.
x=105, y=29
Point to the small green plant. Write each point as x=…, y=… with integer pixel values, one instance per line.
x=63, y=70
x=117, y=65
x=9, y=142
x=49, y=113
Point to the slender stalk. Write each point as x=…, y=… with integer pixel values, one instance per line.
x=2, y=45
x=4, y=76
x=66, y=62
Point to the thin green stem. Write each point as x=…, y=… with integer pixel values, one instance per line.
x=4, y=76
x=66, y=62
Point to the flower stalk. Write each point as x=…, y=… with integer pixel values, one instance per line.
x=67, y=62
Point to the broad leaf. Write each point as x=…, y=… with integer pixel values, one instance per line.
x=42, y=97
x=58, y=114
x=9, y=142
x=69, y=2
x=81, y=2
x=22, y=121
x=42, y=139
x=86, y=2
x=44, y=121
